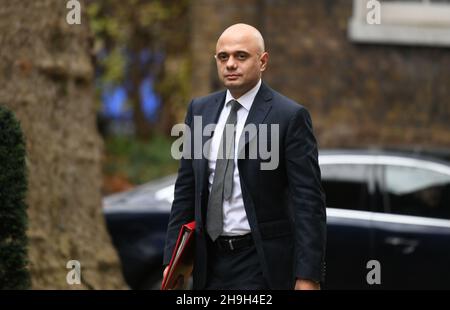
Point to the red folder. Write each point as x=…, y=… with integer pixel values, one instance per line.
x=181, y=263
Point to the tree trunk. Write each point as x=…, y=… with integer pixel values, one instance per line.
x=46, y=78
x=142, y=127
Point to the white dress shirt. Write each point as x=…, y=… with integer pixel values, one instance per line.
x=235, y=220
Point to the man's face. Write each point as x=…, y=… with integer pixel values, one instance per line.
x=240, y=63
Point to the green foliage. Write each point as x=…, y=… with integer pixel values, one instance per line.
x=139, y=161
x=123, y=29
x=13, y=216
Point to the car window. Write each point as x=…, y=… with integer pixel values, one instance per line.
x=346, y=186
x=416, y=191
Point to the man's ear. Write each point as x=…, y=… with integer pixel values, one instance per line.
x=264, y=59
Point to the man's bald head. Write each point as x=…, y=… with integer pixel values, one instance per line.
x=240, y=58
x=246, y=33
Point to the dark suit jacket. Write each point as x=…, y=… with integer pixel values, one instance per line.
x=285, y=207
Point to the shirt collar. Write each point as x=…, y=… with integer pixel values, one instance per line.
x=246, y=100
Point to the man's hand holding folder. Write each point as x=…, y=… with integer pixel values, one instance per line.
x=180, y=267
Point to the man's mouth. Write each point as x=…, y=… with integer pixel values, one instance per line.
x=232, y=76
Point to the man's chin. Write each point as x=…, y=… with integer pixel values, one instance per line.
x=232, y=85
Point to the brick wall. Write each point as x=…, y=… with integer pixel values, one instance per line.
x=358, y=95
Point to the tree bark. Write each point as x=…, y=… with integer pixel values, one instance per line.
x=46, y=78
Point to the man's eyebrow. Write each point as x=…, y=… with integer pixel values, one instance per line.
x=235, y=52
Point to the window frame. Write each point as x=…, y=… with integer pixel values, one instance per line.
x=385, y=192
x=369, y=179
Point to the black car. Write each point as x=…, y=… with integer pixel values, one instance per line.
x=388, y=222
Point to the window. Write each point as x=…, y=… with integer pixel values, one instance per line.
x=346, y=186
x=418, y=192
x=412, y=22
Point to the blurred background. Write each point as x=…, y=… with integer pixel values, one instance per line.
x=96, y=101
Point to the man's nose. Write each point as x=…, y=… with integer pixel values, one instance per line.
x=231, y=63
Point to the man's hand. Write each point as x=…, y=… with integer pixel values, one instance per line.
x=165, y=271
x=178, y=283
x=306, y=285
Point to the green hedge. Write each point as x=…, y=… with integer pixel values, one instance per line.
x=13, y=216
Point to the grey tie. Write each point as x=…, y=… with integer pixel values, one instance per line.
x=223, y=176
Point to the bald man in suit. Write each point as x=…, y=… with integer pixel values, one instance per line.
x=255, y=228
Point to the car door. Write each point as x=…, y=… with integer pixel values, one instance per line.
x=349, y=194
x=413, y=234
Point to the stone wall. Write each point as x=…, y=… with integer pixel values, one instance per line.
x=359, y=95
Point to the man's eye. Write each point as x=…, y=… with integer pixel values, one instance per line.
x=222, y=57
x=241, y=56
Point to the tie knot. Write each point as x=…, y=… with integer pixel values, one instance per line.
x=235, y=105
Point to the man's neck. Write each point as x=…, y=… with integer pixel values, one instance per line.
x=239, y=93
